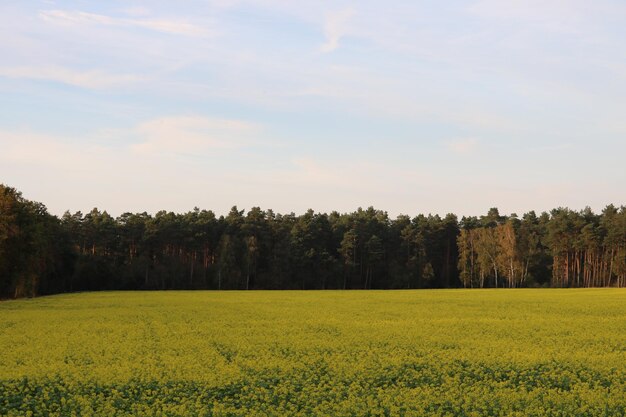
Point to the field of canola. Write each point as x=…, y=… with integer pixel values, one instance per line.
x=334, y=353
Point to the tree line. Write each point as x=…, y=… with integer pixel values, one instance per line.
x=260, y=249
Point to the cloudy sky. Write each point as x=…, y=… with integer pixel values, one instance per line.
x=409, y=106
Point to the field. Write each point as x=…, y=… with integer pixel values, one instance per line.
x=351, y=353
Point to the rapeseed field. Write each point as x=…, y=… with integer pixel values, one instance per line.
x=334, y=353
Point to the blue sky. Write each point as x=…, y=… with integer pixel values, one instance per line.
x=412, y=107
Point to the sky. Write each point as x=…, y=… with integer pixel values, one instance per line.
x=408, y=106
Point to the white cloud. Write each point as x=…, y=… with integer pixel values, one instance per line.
x=177, y=27
x=465, y=145
x=94, y=79
x=149, y=140
x=30, y=148
x=151, y=166
x=335, y=28
x=192, y=134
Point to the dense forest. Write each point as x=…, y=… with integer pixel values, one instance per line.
x=259, y=249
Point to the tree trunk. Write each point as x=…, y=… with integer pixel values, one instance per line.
x=193, y=261
x=495, y=271
x=248, y=277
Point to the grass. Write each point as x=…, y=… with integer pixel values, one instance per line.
x=333, y=353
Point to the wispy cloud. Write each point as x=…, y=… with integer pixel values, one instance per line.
x=172, y=160
x=464, y=145
x=335, y=27
x=93, y=79
x=177, y=27
x=30, y=148
x=181, y=135
x=192, y=134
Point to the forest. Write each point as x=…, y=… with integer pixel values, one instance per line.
x=260, y=249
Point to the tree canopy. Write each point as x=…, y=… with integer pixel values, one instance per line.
x=259, y=249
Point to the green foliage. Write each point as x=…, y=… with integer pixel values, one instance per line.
x=332, y=353
x=33, y=248
x=259, y=249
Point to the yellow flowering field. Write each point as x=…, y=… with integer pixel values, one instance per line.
x=326, y=353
